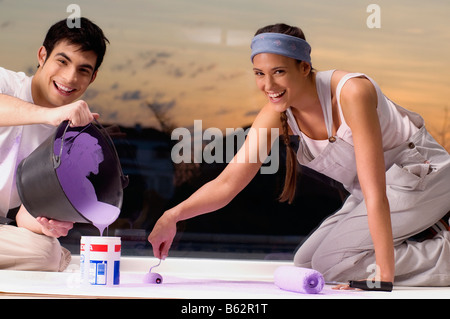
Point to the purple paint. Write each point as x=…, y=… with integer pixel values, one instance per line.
x=81, y=156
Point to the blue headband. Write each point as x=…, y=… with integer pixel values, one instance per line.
x=281, y=44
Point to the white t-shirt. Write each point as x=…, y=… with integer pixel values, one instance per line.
x=16, y=142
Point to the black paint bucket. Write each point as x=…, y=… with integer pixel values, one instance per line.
x=39, y=179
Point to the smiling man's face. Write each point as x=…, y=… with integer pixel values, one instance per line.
x=64, y=75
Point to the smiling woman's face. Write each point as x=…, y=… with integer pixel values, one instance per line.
x=280, y=78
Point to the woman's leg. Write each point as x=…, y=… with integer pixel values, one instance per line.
x=342, y=249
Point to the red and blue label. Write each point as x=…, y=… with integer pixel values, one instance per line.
x=98, y=268
x=98, y=272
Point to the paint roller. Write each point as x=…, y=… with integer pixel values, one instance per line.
x=309, y=281
x=153, y=277
x=297, y=279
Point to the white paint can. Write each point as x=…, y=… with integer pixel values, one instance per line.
x=100, y=260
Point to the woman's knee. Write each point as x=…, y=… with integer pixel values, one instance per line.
x=301, y=261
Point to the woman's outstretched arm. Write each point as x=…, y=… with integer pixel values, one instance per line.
x=221, y=190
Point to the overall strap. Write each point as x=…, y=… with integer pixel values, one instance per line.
x=323, y=85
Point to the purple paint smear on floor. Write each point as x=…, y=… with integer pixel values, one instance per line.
x=82, y=156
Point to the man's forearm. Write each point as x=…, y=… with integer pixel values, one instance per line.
x=25, y=220
x=14, y=111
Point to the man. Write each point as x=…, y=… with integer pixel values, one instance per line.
x=30, y=110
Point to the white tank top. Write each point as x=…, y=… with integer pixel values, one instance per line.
x=396, y=127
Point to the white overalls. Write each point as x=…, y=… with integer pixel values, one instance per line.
x=418, y=190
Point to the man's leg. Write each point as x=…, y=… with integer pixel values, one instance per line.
x=21, y=249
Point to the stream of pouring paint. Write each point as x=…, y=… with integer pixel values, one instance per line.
x=81, y=157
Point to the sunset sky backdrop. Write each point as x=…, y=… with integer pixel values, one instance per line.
x=192, y=57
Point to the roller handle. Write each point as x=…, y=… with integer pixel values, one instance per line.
x=373, y=286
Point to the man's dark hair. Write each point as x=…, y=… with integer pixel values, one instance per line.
x=88, y=36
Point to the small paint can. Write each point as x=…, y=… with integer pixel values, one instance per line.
x=100, y=260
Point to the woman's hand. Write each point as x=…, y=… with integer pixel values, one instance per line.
x=163, y=234
x=343, y=287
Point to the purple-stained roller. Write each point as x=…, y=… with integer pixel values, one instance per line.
x=297, y=279
x=152, y=278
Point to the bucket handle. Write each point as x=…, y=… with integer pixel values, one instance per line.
x=57, y=158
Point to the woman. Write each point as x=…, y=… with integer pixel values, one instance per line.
x=396, y=173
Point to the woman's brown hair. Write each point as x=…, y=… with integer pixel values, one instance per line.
x=290, y=180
